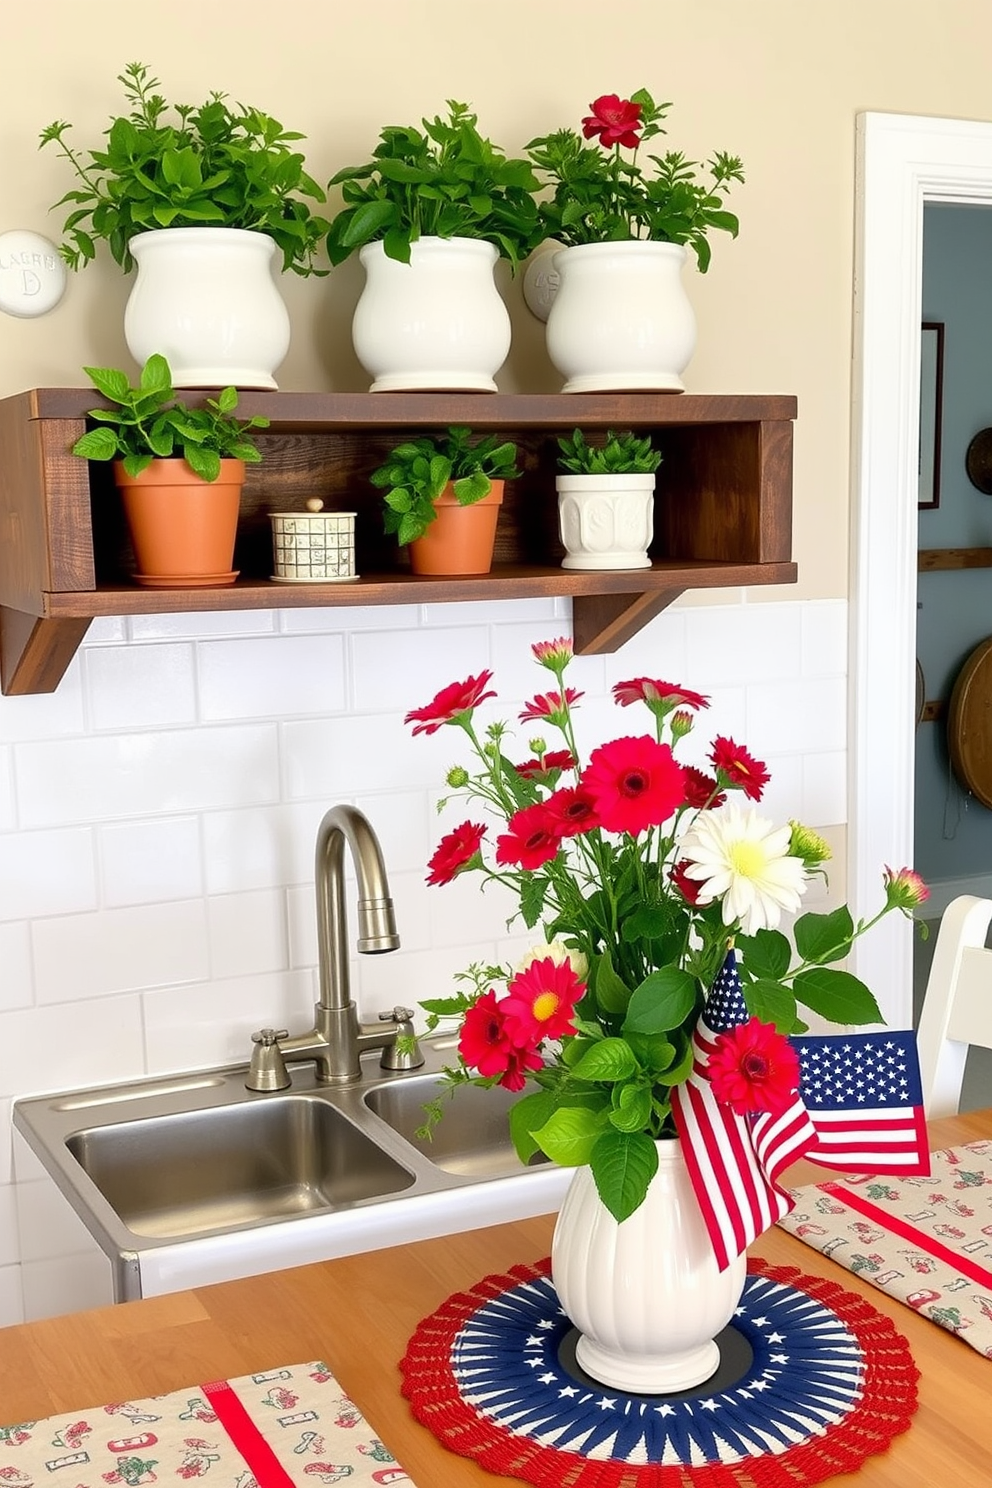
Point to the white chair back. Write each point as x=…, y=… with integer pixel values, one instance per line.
x=957, y=1006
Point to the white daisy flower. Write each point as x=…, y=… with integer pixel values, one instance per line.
x=559, y=954
x=743, y=860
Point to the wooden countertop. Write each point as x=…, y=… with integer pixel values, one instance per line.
x=358, y=1312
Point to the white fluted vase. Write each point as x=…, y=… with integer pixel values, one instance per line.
x=646, y=1295
x=436, y=323
x=606, y=521
x=205, y=299
x=620, y=319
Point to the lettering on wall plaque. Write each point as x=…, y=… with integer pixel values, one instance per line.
x=32, y=274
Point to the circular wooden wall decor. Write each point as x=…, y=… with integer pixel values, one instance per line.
x=978, y=461
x=969, y=724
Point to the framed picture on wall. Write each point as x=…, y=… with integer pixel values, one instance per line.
x=931, y=394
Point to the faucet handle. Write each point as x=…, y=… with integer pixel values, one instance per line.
x=267, y=1070
x=396, y=1015
x=269, y=1036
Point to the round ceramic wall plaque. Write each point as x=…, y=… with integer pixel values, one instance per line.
x=32, y=275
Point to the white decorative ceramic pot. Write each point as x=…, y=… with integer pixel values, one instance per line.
x=435, y=323
x=606, y=521
x=205, y=298
x=620, y=319
x=646, y=1295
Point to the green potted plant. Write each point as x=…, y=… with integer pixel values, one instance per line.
x=622, y=232
x=606, y=500
x=429, y=215
x=442, y=497
x=221, y=186
x=180, y=471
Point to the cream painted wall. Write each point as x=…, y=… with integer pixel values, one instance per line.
x=778, y=82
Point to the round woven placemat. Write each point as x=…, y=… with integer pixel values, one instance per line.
x=813, y=1380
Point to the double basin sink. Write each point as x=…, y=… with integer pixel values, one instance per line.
x=159, y=1169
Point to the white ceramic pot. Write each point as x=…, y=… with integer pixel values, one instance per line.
x=620, y=319
x=205, y=298
x=437, y=323
x=645, y=1295
x=606, y=521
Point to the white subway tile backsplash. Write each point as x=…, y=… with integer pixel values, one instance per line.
x=798, y=716
x=259, y=848
x=202, y=623
x=78, y=957
x=7, y=813
x=45, y=715
x=144, y=862
x=71, y=1044
x=106, y=630
x=762, y=642
x=335, y=759
x=825, y=789
x=824, y=638
x=48, y=1225
x=46, y=873
x=11, y=1297
x=154, y=773
x=66, y=1284
x=247, y=933
x=395, y=670
x=211, y=1023
x=273, y=678
x=10, y=1247
x=538, y=612
x=140, y=686
x=16, y=985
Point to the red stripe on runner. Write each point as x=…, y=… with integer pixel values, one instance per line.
x=246, y=1437
x=918, y=1238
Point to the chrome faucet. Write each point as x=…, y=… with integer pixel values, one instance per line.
x=337, y=1039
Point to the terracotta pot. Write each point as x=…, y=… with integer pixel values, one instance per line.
x=182, y=527
x=460, y=539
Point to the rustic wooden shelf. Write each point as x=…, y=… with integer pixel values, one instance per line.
x=723, y=512
x=932, y=560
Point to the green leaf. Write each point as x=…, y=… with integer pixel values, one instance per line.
x=528, y=1114
x=631, y=1107
x=367, y=222
x=110, y=382
x=612, y=994
x=765, y=955
x=156, y=378
x=97, y=444
x=837, y=996
x=824, y=937
x=611, y=1059
x=205, y=463
x=663, y=1001
x=227, y=399
x=648, y=922
x=772, y=1003
x=532, y=891
x=569, y=1135
x=623, y=1164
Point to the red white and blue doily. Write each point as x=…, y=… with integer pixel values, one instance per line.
x=813, y=1380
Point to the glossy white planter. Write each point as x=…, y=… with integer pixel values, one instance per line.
x=435, y=323
x=606, y=521
x=646, y=1295
x=205, y=298
x=620, y=319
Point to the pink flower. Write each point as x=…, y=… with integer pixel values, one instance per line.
x=659, y=696
x=553, y=706
x=485, y=1044
x=573, y=811
x=540, y=1002
x=451, y=705
x=753, y=1067
x=555, y=655
x=739, y=768
x=547, y=769
x=616, y=120
x=455, y=852
x=533, y=838
x=701, y=790
x=904, y=889
x=634, y=784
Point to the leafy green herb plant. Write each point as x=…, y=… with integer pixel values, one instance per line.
x=149, y=423
x=599, y=196
x=619, y=454
x=211, y=165
x=445, y=180
x=417, y=472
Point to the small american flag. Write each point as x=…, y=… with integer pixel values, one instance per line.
x=733, y=1160
x=864, y=1096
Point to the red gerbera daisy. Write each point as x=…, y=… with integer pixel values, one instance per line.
x=753, y=1067
x=451, y=704
x=540, y=1002
x=485, y=1044
x=533, y=838
x=701, y=789
x=555, y=655
x=634, y=784
x=739, y=768
x=454, y=852
x=616, y=120
x=661, y=697
x=573, y=810
x=547, y=769
x=551, y=705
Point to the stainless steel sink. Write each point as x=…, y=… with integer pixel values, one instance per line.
x=158, y=1169
x=197, y=1172
x=472, y=1138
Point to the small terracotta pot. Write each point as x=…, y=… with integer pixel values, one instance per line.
x=182, y=527
x=460, y=540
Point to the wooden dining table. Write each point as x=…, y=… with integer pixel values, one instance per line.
x=357, y=1313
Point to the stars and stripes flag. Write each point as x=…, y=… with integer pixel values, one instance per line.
x=734, y=1160
x=864, y=1095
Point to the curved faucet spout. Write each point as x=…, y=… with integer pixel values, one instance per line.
x=376, y=920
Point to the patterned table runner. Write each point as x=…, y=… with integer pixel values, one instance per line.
x=813, y=1380
x=280, y=1429
x=927, y=1241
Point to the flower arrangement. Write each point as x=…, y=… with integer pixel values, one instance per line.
x=601, y=196
x=641, y=871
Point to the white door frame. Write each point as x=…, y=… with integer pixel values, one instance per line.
x=903, y=161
